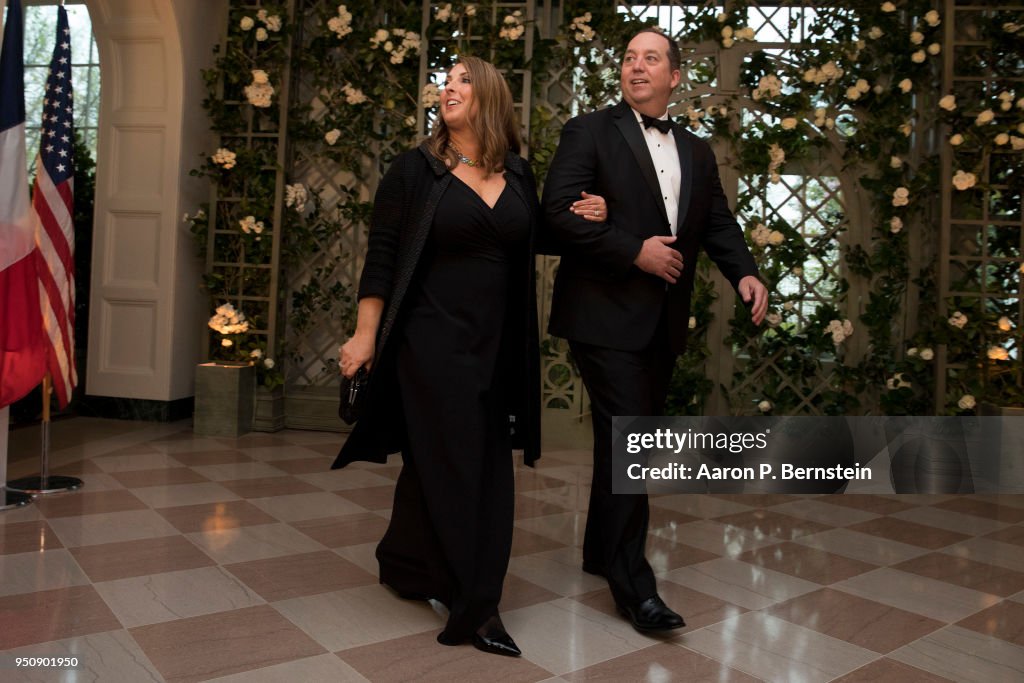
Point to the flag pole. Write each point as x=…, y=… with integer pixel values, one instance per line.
x=45, y=483
x=8, y=499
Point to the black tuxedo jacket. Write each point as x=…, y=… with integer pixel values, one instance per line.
x=600, y=297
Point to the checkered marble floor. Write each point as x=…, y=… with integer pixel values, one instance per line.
x=190, y=559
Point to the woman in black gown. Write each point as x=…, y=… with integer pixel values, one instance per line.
x=447, y=325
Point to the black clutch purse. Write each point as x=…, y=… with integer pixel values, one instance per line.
x=353, y=396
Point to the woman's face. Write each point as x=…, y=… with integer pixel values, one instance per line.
x=457, y=105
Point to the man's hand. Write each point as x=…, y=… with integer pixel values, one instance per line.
x=755, y=293
x=657, y=258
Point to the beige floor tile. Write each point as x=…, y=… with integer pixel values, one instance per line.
x=274, y=454
x=700, y=505
x=566, y=497
x=806, y=563
x=306, y=506
x=960, y=523
x=758, y=500
x=37, y=571
x=342, y=530
x=245, y=543
x=565, y=527
x=299, y=575
x=773, y=523
x=370, y=497
x=740, y=583
x=232, y=471
x=358, y=616
x=96, y=481
x=557, y=571
x=518, y=592
x=82, y=502
x=879, y=505
x=967, y=573
x=420, y=658
x=223, y=643
x=697, y=609
x=776, y=650
x=935, y=599
x=183, y=494
x=111, y=527
x=884, y=670
x=965, y=656
x=912, y=533
x=1011, y=514
x=263, y=487
x=109, y=561
x=215, y=516
x=196, y=444
x=1012, y=534
x=822, y=512
x=565, y=635
x=143, y=600
x=663, y=662
x=308, y=465
x=204, y=458
x=23, y=537
x=1004, y=621
x=361, y=555
x=136, y=461
x=869, y=624
x=715, y=537
x=105, y=657
x=56, y=614
x=863, y=547
x=528, y=506
x=526, y=543
x=345, y=479
x=665, y=555
x=25, y=513
x=257, y=440
x=991, y=552
x=165, y=476
x=320, y=668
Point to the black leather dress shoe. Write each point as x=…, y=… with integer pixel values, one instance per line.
x=492, y=637
x=651, y=614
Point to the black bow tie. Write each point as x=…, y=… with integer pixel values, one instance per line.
x=664, y=125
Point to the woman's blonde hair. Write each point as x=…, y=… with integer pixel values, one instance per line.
x=495, y=124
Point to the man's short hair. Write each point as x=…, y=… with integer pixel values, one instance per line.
x=675, y=57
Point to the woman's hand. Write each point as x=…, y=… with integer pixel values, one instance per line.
x=592, y=207
x=356, y=353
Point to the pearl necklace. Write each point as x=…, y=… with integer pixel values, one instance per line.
x=462, y=157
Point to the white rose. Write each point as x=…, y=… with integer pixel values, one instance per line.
x=268, y=363
x=985, y=117
x=788, y=123
x=721, y=17
x=958, y=320
x=895, y=224
x=773, y=319
x=895, y=162
x=332, y=136
x=901, y=197
x=830, y=123
x=727, y=31
x=918, y=57
x=788, y=306
x=226, y=342
x=911, y=352
x=966, y=402
x=927, y=354
x=916, y=37
x=888, y=7
x=948, y=102
x=997, y=353
x=261, y=34
x=862, y=85
x=470, y=10
x=1017, y=143
x=1002, y=139
x=906, y=85
x=727, y=42
x=273, y=23
x=875, y=33
x=934, y=49
x=246, y=24
x=692, y=324
x=259, y=77
x=797, y=270
x=963, y=180
x=256, y=353
x=1004, y=324
x=775, y=238
x=852, y=93
x=956, y=139
x=906, y=129
x=932, y=18
x=764, y=406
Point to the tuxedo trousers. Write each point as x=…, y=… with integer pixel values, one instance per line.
x=621, y=383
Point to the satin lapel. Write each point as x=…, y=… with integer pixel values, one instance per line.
x=685, y=148
x=630, y=129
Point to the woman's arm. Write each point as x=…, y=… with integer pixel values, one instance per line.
x=359, y=350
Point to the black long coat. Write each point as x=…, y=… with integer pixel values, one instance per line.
x=403, y=211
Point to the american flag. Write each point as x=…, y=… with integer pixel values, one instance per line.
x=53, y=199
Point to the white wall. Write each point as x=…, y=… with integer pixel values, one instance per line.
x=145, y=311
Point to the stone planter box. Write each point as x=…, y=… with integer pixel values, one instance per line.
x=224, y=399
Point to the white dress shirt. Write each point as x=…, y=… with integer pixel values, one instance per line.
x=665, y=156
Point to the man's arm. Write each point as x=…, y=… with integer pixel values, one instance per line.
x=572, y=171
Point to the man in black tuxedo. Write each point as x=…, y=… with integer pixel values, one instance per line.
x=622, y=293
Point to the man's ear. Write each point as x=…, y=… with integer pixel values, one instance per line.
x=677, y=77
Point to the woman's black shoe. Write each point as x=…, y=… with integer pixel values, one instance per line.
x=492, y=637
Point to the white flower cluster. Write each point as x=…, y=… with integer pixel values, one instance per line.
x=932, y=18
x=1005, y=100
x=260, y=91
x=855, y=91
x=408, y=42
x=272, y=22
x=332, y=136
x=888, y=7
x=777, y=157
x=765, y=406
x=762, y=236
x=444, y=12
x=200, y=215
x=958, y=320
x=228, y=321
x=897, y=381
x=768, y=87
x=821, y=118
x=250, y=225
x=985, y=117
x=828, y=73
x=924, y=354
x=512, y=26
x=906, y=85
x=900, y=196
x=581, y=30
x=840, y=330
x=948, y=102
x=731, y=35
x=694, y=115
x=297, y=196
x=963, y=180
x=353, y=95
x=342, y=23
x=966, y=402
x=224, y=158
x=998, y=353
x=430, y=95
x=1003, y=324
